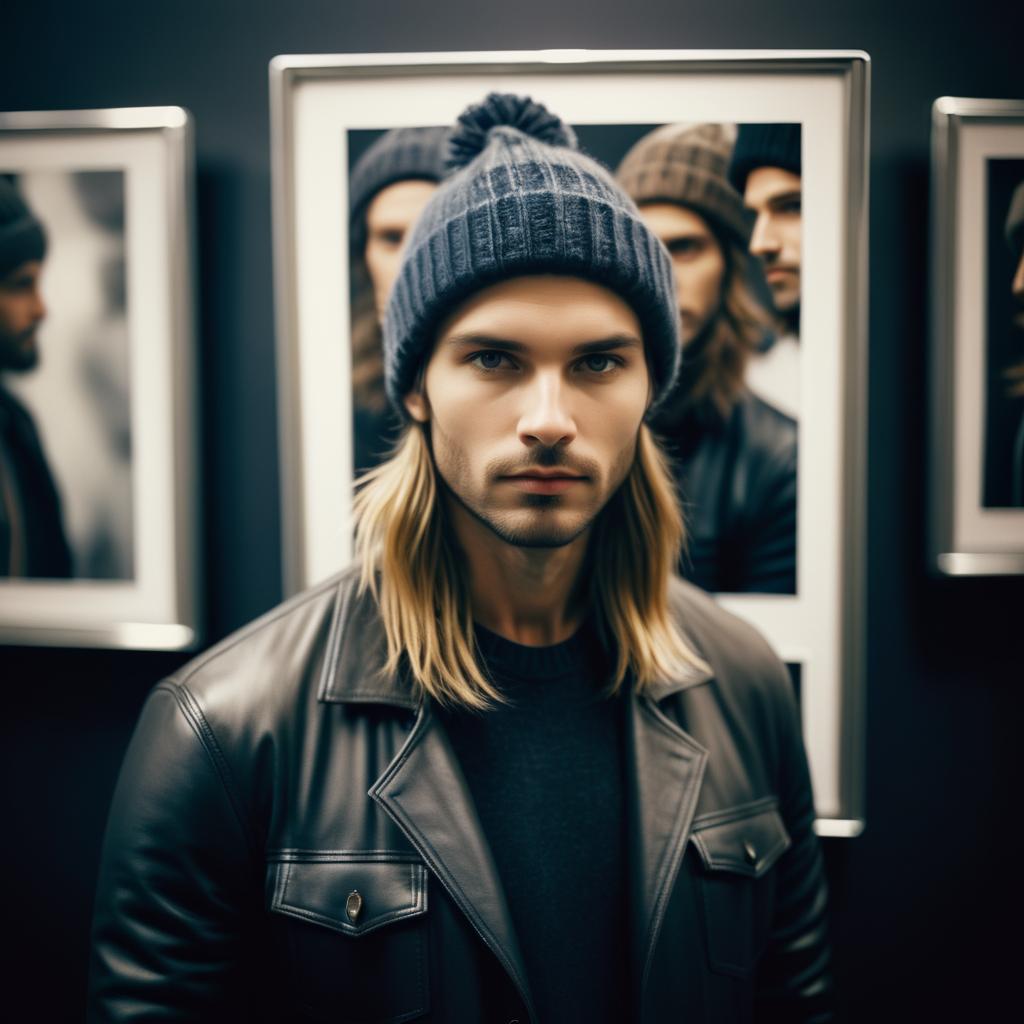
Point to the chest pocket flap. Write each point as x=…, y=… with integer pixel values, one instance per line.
x=353, y=897
x=746, y=840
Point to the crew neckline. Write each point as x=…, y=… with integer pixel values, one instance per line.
x=505, y=656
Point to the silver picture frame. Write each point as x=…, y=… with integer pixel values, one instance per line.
x=149, y=597
x=317, y=99
x=973, y=529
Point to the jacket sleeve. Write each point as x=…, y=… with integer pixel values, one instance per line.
x=794, y=982
x=175, y=870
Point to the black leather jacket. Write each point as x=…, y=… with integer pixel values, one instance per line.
x=737, y=479
x=281, y=773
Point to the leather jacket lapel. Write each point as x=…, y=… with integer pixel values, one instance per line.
x=668, y=768
x=425, y=794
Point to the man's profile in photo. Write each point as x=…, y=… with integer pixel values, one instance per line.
x=32, y=538
x=767, y=170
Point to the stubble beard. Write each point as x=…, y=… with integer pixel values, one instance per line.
x=537, y=535
x=547, y=536
x=20, y=353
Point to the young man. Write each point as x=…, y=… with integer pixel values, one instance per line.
x=389, y=186
x=766, y=171
x=509, y=769
x=32, y=539
x=735, y=456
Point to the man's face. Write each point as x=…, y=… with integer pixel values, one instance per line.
x=1017, y=289
x=21, y=311
x=534, y=396
x=696, y=259
x=774, y=195
x=390, y=215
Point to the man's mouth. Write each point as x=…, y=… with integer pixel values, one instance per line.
x=544, y=481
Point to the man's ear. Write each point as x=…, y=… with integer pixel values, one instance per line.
x=417, y=406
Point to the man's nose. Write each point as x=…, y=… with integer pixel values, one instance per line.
x=763, y=239
x=38, y=306
x=546, y=417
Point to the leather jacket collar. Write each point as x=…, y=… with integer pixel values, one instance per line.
x=356, y=654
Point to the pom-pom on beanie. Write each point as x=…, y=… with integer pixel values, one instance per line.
x=764, y=145
x=401, y=154
x=687, y=164
x=22, y=237
x=521, y=199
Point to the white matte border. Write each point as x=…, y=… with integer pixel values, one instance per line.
x=314, y=113
x=158, y=607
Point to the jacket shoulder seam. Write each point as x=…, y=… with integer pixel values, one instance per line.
x=193, y=713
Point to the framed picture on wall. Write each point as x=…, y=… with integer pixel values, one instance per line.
x=359, y=141
x=98, y=480
x=976, y=523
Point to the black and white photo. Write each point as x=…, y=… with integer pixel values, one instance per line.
x=98, y=481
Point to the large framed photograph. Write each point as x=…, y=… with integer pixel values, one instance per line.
x=767, y=153
x=98, y=481
x=976, y=523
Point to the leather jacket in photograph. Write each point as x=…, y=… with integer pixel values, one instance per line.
x=292, y=838
x=737, y=480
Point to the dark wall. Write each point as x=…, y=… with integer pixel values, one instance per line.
x=920, y=897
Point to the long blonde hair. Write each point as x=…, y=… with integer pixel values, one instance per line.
x=410, y=563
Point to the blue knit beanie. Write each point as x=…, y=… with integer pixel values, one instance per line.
x=522, y=199
x=22, y=236
x=401, y=154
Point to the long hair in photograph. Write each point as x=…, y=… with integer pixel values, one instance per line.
x=715, y=366
x=410, y=563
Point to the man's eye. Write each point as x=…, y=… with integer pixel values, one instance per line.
x=684, y=247
x=391, y=238
x=599, y=363
x=488, y=360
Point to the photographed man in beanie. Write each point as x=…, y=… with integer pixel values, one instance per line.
x=766, y=171
x=507, y=768
x=734, y=455
x=32, y=539
x=1004, y=448
x=388, y=187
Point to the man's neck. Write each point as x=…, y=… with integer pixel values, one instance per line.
x=527, y=595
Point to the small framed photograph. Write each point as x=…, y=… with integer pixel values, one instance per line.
x=98, y=467
x=767, y=156
x=976, y=525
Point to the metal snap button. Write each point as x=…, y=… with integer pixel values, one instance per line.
x=353, y=905
x=750, y=852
